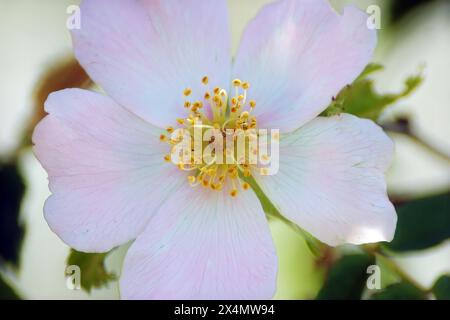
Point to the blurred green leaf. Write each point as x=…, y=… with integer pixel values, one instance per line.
x=441, y=288
x=362, y=100
x=6, y=292
x=422, y=224
x=12, y=189
x=389, y=274
x=399, y=291
x=347, y=278
x=92, y=266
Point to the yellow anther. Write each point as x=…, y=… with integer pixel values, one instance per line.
x=198, y=104
x=217, y=99
x=214, y=175
x=244, y=115
x=264, y=171
x=191, y=179
x=162, y=138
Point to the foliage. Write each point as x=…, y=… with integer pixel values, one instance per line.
x=6, y=292
x=361, y=99
x=422, y=224
x=399, y=291
x=441, y=288
x=92, y=266
x=12, y=189
x=347, y=278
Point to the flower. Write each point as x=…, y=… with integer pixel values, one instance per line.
x=155, y=59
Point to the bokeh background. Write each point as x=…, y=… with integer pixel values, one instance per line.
x=36, y=57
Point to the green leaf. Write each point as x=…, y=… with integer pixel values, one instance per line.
x=369, y=69
x=6, y=292
x=441, y=288
x=12, y=190
x=362, y=100
x=399, y=291
x=314, y=245
x=347, y=278
x=92, y=266
x=422, y=224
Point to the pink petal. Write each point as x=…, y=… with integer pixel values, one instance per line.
x=203, y=244
x=106, y=170
x=145, y=53
x=331, y=180
x=297, y=55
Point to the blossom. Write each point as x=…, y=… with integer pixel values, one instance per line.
x=167, y=62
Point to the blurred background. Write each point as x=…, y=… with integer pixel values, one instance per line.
x=36, y=58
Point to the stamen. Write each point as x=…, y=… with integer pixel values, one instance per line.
x=227, y=113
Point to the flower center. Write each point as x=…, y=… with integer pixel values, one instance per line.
x=217, y=141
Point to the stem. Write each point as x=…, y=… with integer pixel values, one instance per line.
x=403, y=126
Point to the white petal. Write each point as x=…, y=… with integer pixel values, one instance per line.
x=297, y=55
x=145, y=53
x=331, y=180
x=106, y=170
x=203, y=244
